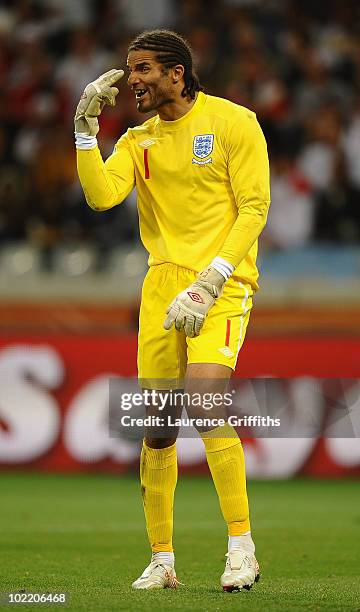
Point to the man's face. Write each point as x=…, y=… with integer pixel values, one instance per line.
x=152, y=85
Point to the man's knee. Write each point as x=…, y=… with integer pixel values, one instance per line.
x=159, y=442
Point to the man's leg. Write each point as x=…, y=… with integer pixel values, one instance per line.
x=226, y=462
x=158, y=476
x=161, y=364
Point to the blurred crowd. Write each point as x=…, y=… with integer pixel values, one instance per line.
x=296, y=63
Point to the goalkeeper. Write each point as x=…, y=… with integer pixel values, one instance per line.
x=200, y=167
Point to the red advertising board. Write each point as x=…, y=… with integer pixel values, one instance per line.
x=54, y=404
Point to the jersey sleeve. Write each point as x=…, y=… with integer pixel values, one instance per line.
x=248, y=168
x=106, y=184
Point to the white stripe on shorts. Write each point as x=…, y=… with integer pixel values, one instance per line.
x=242, y=316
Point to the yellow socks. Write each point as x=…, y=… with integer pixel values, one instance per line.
x=225, y=457
x=158, y=475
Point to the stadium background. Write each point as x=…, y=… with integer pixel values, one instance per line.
x=70, y=278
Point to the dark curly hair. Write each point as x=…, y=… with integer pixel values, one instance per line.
x=171, y=49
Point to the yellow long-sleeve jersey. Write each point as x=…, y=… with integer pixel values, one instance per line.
x=202, y=185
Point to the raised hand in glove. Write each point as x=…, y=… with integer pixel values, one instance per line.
x=190, y=307
x=95, y=96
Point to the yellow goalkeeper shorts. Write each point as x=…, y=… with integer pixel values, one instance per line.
x=163, y=355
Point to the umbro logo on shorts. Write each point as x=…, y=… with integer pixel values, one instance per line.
x=226, y=351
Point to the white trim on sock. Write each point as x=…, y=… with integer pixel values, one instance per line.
x=167, y=558
x=242, y=542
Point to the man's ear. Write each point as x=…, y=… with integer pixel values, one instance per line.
x=178, y=73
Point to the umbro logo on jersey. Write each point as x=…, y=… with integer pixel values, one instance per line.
x=202, y=148
x=226, y=351
x=147, y=143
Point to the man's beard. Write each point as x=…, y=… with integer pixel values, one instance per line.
x=160, y=99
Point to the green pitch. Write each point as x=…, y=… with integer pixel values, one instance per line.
x=85, y=535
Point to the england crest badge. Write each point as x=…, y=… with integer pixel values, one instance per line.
x=202, y=148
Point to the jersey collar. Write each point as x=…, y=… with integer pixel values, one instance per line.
x=169, y=126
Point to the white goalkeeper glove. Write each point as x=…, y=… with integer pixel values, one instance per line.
x=190, y=307
x=95, y=96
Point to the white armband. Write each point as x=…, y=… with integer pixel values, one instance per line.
x=85, y=142
x=224, y=267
